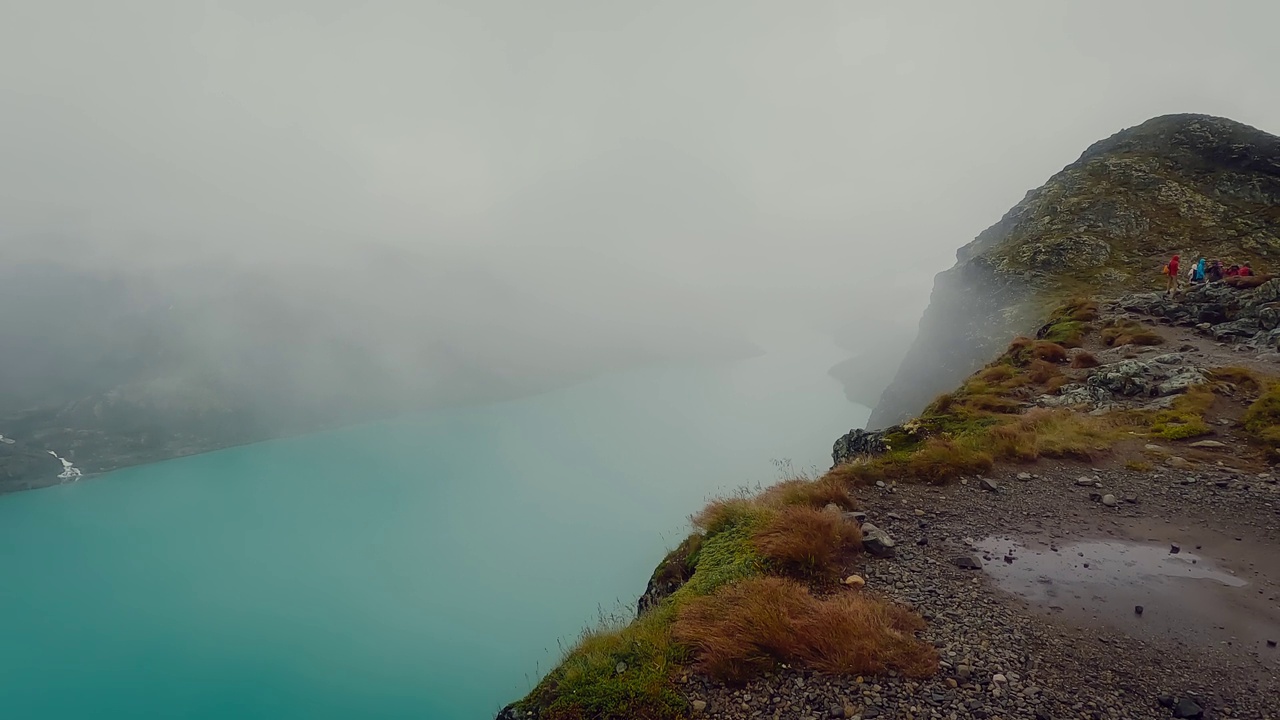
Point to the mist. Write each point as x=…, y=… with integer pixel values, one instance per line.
x=391, y=204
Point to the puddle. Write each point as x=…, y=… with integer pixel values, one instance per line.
x=1183, y=595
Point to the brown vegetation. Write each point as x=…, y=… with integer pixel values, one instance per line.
x=1128, y=332
x=1084, y=359
x=751, y=626
x=806, y=542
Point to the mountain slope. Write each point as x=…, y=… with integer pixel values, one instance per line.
x=1193, y=184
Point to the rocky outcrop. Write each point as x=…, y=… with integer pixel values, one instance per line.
x=1129, y=382
x=1225, y=313
x=858, y=443
x=1180, y=183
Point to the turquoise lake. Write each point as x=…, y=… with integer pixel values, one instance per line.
x=427, y=567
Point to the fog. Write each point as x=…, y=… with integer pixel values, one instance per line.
x=522, y=193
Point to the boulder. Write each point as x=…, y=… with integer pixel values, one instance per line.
x=859, y=443
x=877, y=542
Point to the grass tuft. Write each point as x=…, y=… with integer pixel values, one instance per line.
x=1127, y=332
x=1185, y=418
x=807, y=543
x=1084, y=359
x=755, y=625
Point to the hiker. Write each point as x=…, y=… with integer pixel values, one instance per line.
x=1197, y=272
x=1171, y=274
x=1245, y=270
x=1233, y=271
x=1214, y=273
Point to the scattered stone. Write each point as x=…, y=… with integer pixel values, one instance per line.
x=1178, y=462
x=1137, y=609
x=999, y=678
x=1167, y=701
x=1109, y=500
x=1086, y=482
x=966, y=562
x=1187, y=708
x=1024, y=476
x=880, y=483
x=699, y=705
x=963, y=672
x=1271, y=643
x=1130, y=498
x=1207, y=444
x=1174, y=548
x=620, y=667
x=855, y=581
x=876, y=541
x=989, y=485
x=919, y=512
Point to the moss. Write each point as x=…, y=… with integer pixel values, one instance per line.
x=587, y=685
x=726, y=556
x=1262, y=418
x=1185, y=418
x=1068, y=333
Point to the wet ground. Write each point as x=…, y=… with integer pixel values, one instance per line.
x=1187, y=595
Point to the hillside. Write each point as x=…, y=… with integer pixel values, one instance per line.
x=1189, y=184
x=1069, y=507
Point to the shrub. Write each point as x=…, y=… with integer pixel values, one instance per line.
x=1076, y=309
x=754, y=625
x=1128, y=332
x=997, y=373
x=807, y=542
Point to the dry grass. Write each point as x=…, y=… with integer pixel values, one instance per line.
x=1237, y=379
x=808, y=493
x=1058, y=433
x=1084, y=360
x=1041, y=372
x=806, y=542
x=754, y=625
x=1128, y=332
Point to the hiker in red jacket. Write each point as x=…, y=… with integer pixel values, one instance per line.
x=1245, y=270
x=1171, y=272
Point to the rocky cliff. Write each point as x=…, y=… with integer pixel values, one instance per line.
x=1190, y=184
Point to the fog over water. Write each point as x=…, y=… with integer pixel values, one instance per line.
x=594, y=175
x=524, y=282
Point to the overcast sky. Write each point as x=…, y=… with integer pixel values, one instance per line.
x=811, y=156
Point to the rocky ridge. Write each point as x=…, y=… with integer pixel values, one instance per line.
x=1189, y=183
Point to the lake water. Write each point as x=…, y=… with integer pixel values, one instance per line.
x=421, y=568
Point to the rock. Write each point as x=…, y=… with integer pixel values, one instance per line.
x=1109, y=500
x=989, y=485
x=1137, y=609
x=876, y=541
x=850, y=711
x=854, y=581
x=1130, y=498
x=963, y=672
x=966, y=562
x=880, y=484
x=699, y=705
x=1153, y=448
x=857, y=516
x=1166, y=701
x=620, y=668
x=999, y=678
x=860, y=443
x=1207, y=444
x=1174, y=548
x=1178, y=462
x=1271, y=643
x=1187, y=708
x=1086, y=481
x=1024, y=476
